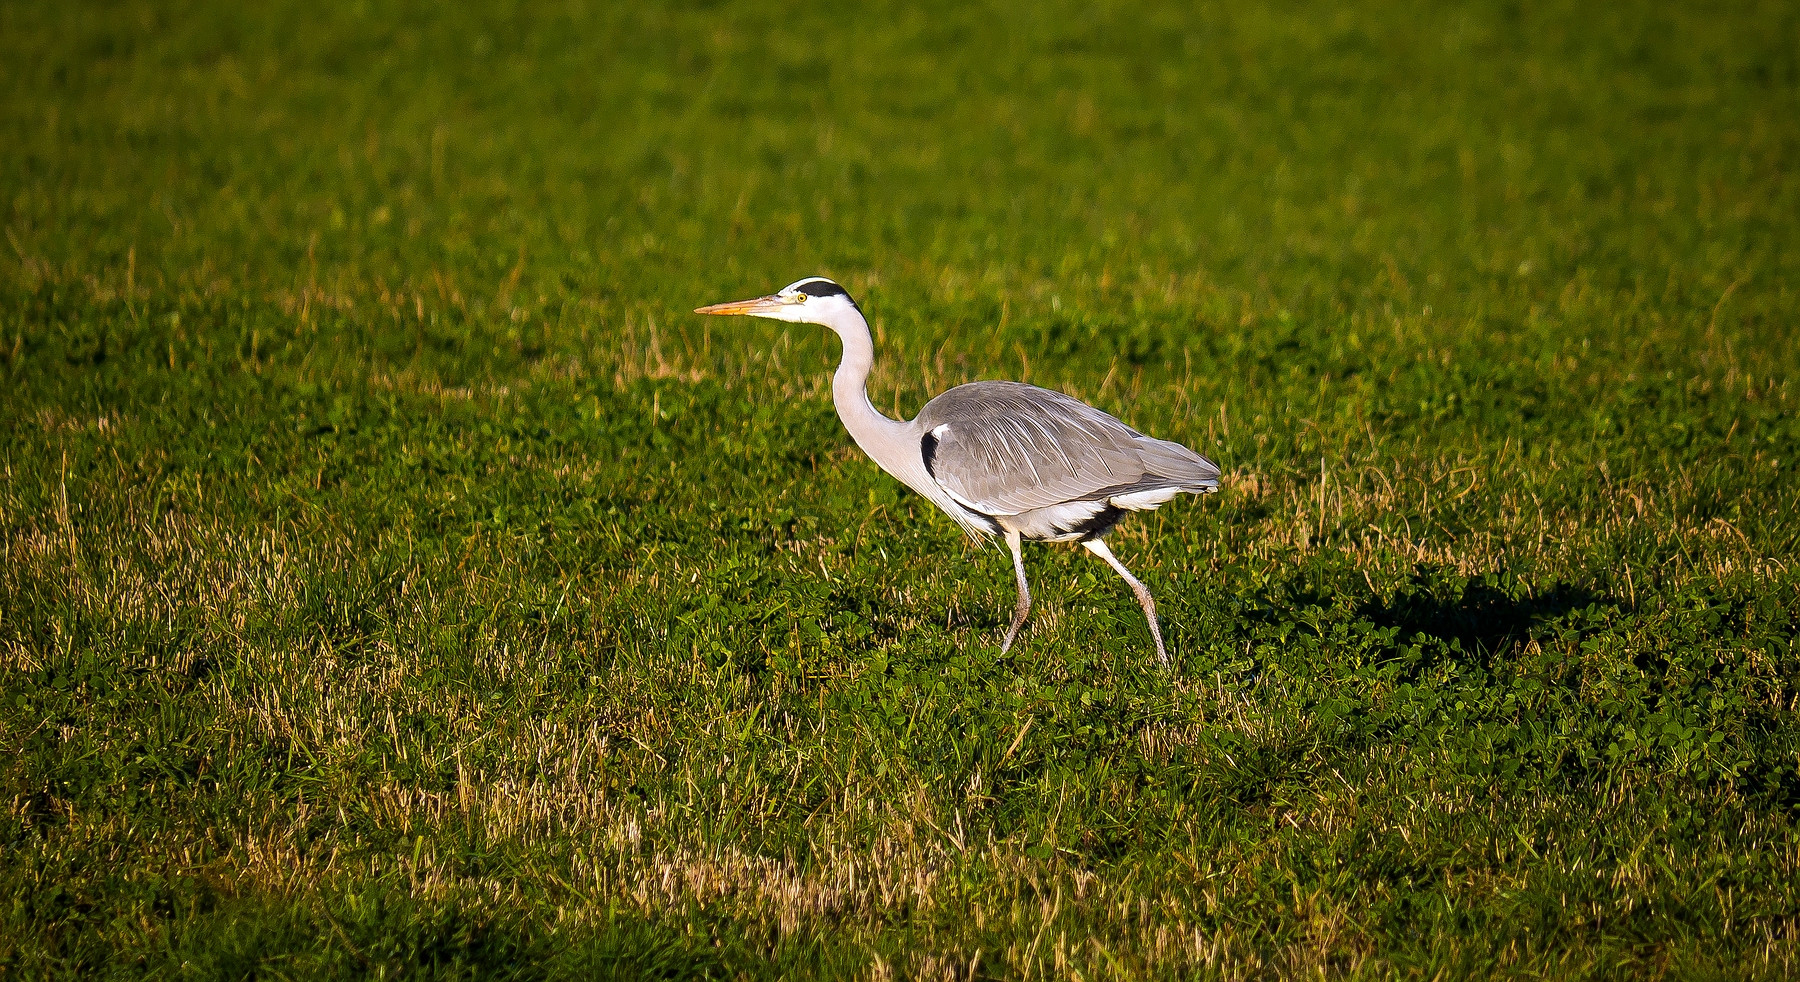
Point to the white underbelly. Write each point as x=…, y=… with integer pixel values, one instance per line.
x=1073, y=521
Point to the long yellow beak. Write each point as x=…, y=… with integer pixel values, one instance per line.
x=757, y=306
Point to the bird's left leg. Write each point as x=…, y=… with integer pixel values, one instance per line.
x=1024, y=607
x=1098, y=548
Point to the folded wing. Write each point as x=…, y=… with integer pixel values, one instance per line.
x=1003, y=448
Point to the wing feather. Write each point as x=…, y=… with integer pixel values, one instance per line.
x=1004, y=448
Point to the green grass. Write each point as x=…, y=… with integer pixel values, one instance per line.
x=395, y=578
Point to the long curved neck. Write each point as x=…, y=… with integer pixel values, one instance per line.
x=889, y=442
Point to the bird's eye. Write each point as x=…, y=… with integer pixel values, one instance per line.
x=799, y=298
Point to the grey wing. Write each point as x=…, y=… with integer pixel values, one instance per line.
x=1004, y=448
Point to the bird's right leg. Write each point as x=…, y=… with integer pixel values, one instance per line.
x=1098, y=548
x=1024, y=607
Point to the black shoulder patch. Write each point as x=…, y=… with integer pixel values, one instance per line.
x=928, y=449
x=823, y=288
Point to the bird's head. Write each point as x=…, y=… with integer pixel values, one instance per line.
x=814, y=300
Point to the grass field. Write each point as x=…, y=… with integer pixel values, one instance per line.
x=396, y=579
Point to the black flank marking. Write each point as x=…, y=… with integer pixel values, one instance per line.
x=1099, y=525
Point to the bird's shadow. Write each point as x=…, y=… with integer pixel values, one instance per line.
x=1432, y=617
x=1482, y=617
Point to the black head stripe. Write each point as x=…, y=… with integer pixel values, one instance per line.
x=822, y=288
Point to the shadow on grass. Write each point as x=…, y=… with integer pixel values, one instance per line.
x=1478, y=616
x=384, y=933
x=1432, y=616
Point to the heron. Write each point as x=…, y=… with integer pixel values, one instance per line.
x=1000, y=458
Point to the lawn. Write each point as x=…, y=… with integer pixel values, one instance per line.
x=397, y=579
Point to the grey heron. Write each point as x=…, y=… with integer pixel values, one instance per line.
x=1000, y=458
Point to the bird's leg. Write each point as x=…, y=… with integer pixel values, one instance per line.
x=1098, y=548
x=1024, y=607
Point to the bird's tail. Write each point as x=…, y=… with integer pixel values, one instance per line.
x=1178, y=466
